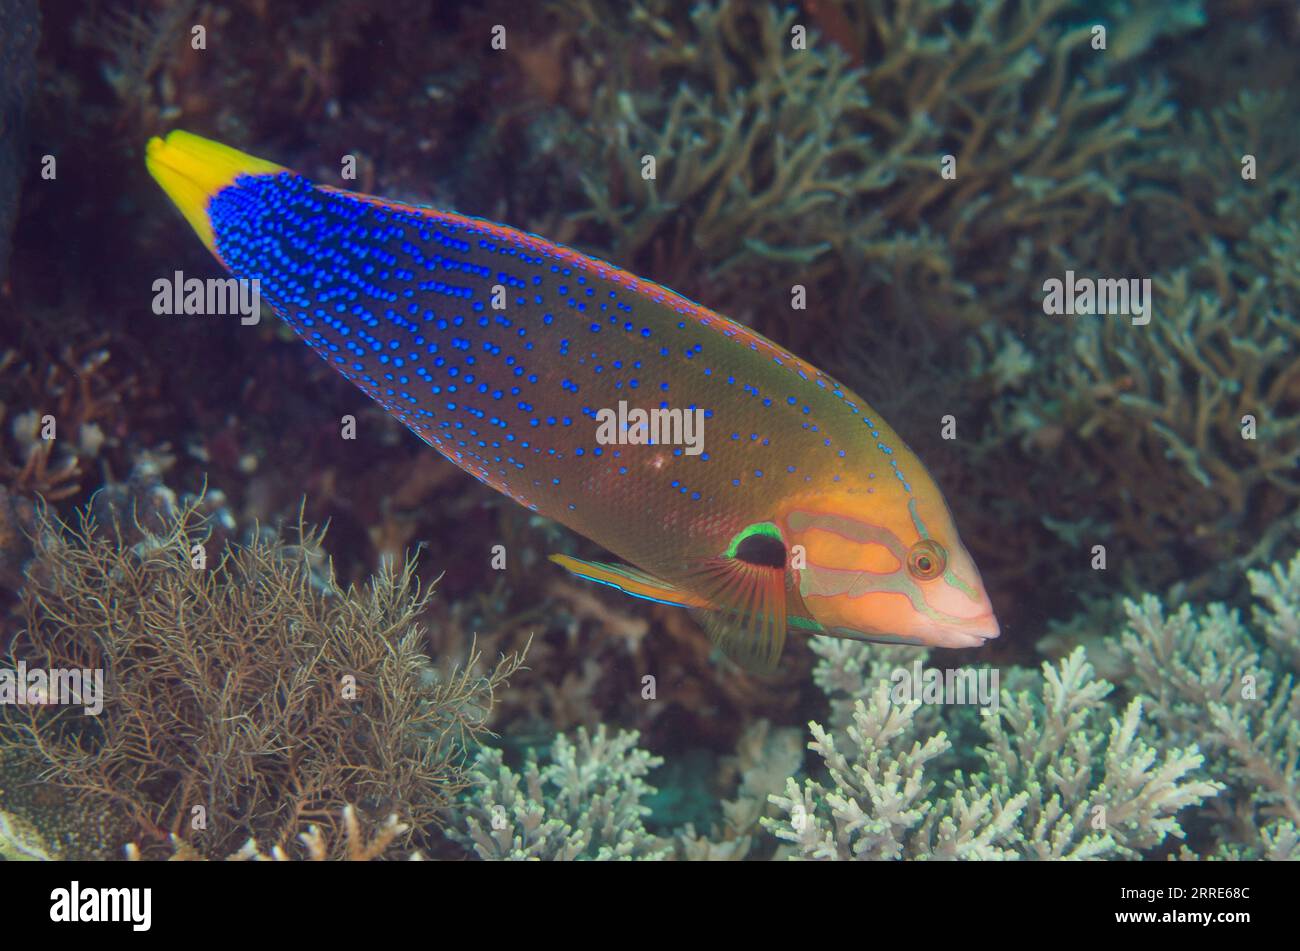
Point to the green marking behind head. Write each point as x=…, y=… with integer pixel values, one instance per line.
x=758, y=528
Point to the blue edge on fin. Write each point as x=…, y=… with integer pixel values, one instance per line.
x=631, y=594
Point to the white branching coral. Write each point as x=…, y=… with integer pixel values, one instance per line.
x=1062, y=779
x=1094, y=792
x=1207, y=737
x=1206, y=678
x=584, y=804
x=880, y=806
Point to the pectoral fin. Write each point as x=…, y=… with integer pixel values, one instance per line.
x=747, y=614
x=746, y=592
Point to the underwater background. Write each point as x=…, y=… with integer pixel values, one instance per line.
x=1128, y=491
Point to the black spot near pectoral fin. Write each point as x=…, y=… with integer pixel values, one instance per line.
x=761, y=551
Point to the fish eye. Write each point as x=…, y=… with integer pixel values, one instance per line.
x=926, y=560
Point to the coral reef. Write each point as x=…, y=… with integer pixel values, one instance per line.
x=1067, y=774
x=589, y=801
x=1062, y=767
x=1234, y=693
x=314, y=845
x=1159, y=413
x=775, y=165
x=248, y=697
x=745, y=174
x=1065, y=158
x=1165, y=411
x=1063, y=778
x=585, y=803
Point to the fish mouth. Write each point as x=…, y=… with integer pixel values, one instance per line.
x=976, y=632
x=973, y=633
x=972, y=638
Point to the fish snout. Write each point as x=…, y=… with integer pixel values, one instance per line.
x=975, y=632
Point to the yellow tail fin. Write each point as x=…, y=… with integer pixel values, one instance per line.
x=191, y=169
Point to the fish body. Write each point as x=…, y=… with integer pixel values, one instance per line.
x=783, y=501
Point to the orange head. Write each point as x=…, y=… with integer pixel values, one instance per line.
x=887, y=564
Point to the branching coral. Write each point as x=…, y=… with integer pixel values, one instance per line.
x=1207, y=678
x=248, y=697
x=586, y=803
x=1206, y=743
x=849, y=193
x=313, y=845
x=1062, y=777
x=1045, y=139
x=1196, y=416
x=881, y=806
x=745, y=172
x=1065, y=772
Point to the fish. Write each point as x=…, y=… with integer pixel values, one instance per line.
x=726, y=475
